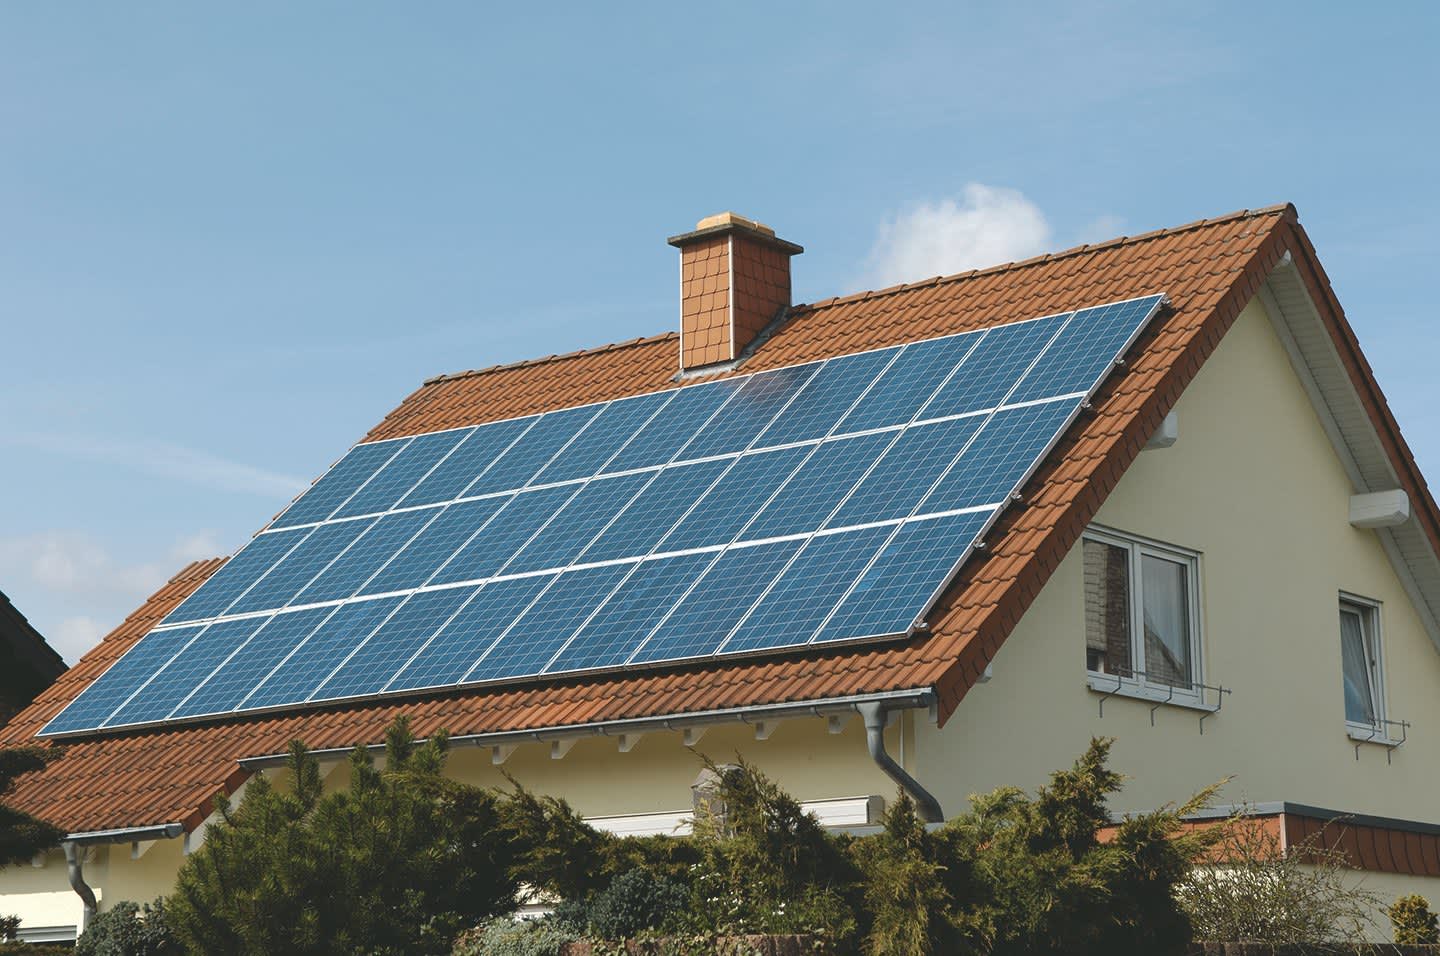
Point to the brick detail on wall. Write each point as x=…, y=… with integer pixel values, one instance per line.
x=705, y=303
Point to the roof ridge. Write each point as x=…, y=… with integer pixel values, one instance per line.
x=1277, y=208
x=557, y=357
x=1281, y=208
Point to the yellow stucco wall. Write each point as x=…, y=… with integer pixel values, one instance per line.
x=1254, y=485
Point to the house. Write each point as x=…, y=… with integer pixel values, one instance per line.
x=1227, y=560
x=33, y=664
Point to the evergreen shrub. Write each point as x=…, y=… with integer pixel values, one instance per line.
x=1414, y=923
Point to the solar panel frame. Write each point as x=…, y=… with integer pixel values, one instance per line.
x=897, y=526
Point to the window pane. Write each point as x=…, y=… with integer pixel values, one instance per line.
x=1359, y=692
x=1166, y=603
x=1107, y=609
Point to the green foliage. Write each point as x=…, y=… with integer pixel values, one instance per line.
x=1414, y=923
x=634, y=902
x=1262, y=892
x=9, y=926
x=21, y=835
x=1031, y=876
x=397, y=863
x=129, y=930
x=503, y=936
x=905, y=888
x=36, y=949
x=767, y=866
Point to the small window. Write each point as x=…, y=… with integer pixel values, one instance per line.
x=1141, y=611
x=1360, y=661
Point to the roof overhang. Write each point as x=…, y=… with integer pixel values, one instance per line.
x=920, y=699
x=1349, y=420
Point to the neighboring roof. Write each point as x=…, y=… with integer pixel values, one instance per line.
x=1210, y=269
x=32, y=665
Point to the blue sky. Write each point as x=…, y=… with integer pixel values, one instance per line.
x=231, y=238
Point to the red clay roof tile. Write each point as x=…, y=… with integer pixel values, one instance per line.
x=165, y=775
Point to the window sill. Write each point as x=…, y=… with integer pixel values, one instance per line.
x=1366, y=734
x=1112, y=686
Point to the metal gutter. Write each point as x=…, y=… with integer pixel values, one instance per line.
x=926, y=806
x=74, y=845
x=892, y=700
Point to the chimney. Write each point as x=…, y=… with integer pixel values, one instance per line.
x=734, y=281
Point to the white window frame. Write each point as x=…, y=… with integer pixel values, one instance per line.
x=1373, y=632
x=1138, y=548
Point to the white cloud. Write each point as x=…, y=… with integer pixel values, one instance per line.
x=163, y=459
x=985, y=226
x=73, y=636
x=74, y=590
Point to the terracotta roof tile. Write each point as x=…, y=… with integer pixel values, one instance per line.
x=165, y=775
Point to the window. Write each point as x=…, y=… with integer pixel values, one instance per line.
x=1360, y=661
x=1142, y=612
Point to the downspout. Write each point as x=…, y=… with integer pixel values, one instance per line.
x=926, y=805
x=74, y=865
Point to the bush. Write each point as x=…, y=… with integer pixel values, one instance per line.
x=506, y=937
x=21, y=835
x=634, y=902
x=128, y=930
x=9, y=926
x=36, y=949
x=1261, y=892
x=398, y=863
x=1414, y=923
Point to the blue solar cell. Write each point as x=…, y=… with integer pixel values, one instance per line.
x=819, y=485
x=108, y=691
x=727, y=590
x=603, y=437
x=400, y=474
x=1085, y=349
x=548, y=623
x=826, y=397
x=634, y=608
x=432, y=547
x=480, y=449
x=189, y=667
x=731, y=502
x=249, y=665
x=309, y=558
x=677, y=423
x=906, y=575
x=452, y=652
x=808, y=591
x=998, y=458
x=262, y=553
x=908, y=383
x=507, y=532
x=372, y=549
x=339, y=483
x=533, y=451
x=377, y=661
x=754, y=406
x=582, y=518
x=296, y=678
x=654, y=511
x=906, y=472
x=993, y=369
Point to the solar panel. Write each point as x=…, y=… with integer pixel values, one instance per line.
x=815, y=504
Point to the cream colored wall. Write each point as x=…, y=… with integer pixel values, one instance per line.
x=1255, y=486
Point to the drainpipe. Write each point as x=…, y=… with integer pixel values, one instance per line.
x=74, y=847
x=925, y=803
x=74, y=864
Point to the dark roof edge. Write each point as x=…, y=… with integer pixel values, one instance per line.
x=27, y=642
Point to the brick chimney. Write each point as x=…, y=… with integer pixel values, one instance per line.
x=734, y=281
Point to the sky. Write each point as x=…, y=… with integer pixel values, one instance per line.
x=232, y=237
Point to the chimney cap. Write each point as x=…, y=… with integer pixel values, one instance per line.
x=729, y=222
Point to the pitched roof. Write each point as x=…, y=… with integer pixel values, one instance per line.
x=1210, y=270
x=33, y=663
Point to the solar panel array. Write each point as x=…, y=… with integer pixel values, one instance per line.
x=809, y=505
